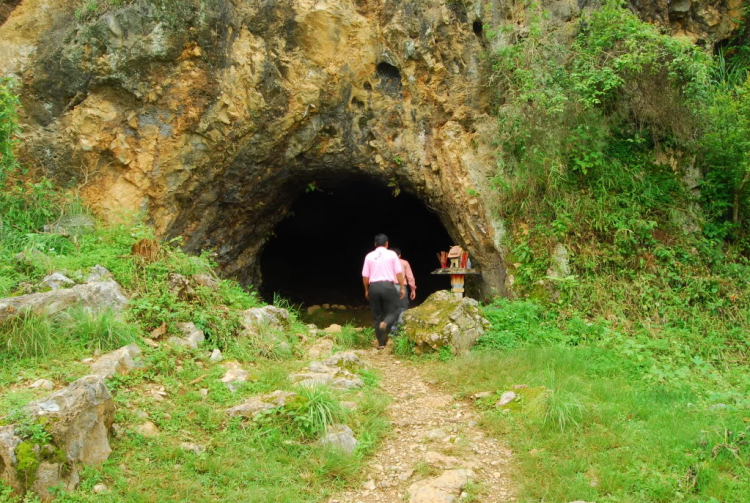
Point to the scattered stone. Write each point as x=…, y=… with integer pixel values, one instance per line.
x=326, y=306
x=195, y=448
x=444, y=320
x=100, y=488
x=98, y=273
x=44, y=384
x=204, y=391
x=369, y=485
x=506, y=398
x=346, y=360
x=312, y=309
x=333, y=329
x=339, y=436
x=254, y=405
x=441, y=461
x=483, y=394
x=96, y=296
x=57, y=280
x=216, y=356
x=205, y=280
x=436, y=434
x=179, y=286
x=192, y=336
x=320, y=373
x=266, y=317
x=339, y=307
x=320, y=348
x=234, y=375
x=120, y=361
x=444, y=488
x=148, y=429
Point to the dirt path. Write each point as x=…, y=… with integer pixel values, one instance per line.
x=434, y=449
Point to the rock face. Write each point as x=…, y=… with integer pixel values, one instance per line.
x=78, y=419
x=266, y=317
x=444, y=320
x=120, y=361
x=213, y=115
x=96, y=295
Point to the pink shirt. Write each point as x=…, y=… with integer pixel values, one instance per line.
x=408, y=275
x=382, y=265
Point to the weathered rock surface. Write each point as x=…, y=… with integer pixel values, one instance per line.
x=266, y=317
x=78, y=418
x=234, y=375
x=57, y=280
x=83, y=414
x=97, y=295
x=192, y=337
x=339, y=436
x=44, y=384
x=321, y=347
x=254, y=405
x=444, y=320
x=443, y=489
x=336, y=372
x=120, y=361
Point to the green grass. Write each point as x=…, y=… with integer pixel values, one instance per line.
x=600, y=436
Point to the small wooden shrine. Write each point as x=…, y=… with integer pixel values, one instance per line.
x=458, y=269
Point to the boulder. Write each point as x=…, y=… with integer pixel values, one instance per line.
x=216, y=356
x=321, y=347
x=266, y=317
x=78, y=419
x=444, y=320
x=333, y=375
x=339, y=436
x=443, y=489
x=255, y=405
x=205, y=280
x=120, y=361
x=192, y=337
x=98, y=295
x=333, y=329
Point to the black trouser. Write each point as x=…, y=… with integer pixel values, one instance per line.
x=384, y=303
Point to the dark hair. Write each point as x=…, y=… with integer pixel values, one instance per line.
x=397, y=250
x=381, y=239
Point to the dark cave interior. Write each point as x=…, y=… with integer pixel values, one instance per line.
x=317, y=251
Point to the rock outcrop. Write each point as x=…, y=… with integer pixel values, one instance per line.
x=444, y=320
x=213, y=115
x=78, y=419
x=120, y=361
x=97, y=295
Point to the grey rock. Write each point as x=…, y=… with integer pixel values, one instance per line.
x=205, y=280
x=216, y=355
x=100, y=488
x=346, y=359
x=120, y=361
x=57, y=280
x=266, y=317
x=506, y=398
x=254, y=405
x=234, y=375
x=192, y=337
x=194, y=448
x=442, y=489
x=44, y=384
x=98, y=273
x=96, y=296
x=339, y=436
x=148, y=429
x=8, y=443
x=321, y=347
x=445, y=320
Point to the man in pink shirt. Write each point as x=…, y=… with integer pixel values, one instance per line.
x=381, y=270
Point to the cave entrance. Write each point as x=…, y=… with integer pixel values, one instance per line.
x=316, y=253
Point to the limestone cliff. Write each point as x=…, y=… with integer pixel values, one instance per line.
x=211, y=116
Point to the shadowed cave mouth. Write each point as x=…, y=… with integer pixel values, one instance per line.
x=317, y=252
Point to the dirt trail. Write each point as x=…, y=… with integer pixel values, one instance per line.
x=435, y=446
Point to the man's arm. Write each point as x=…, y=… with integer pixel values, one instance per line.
x=400, y=277
x=366, y=282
